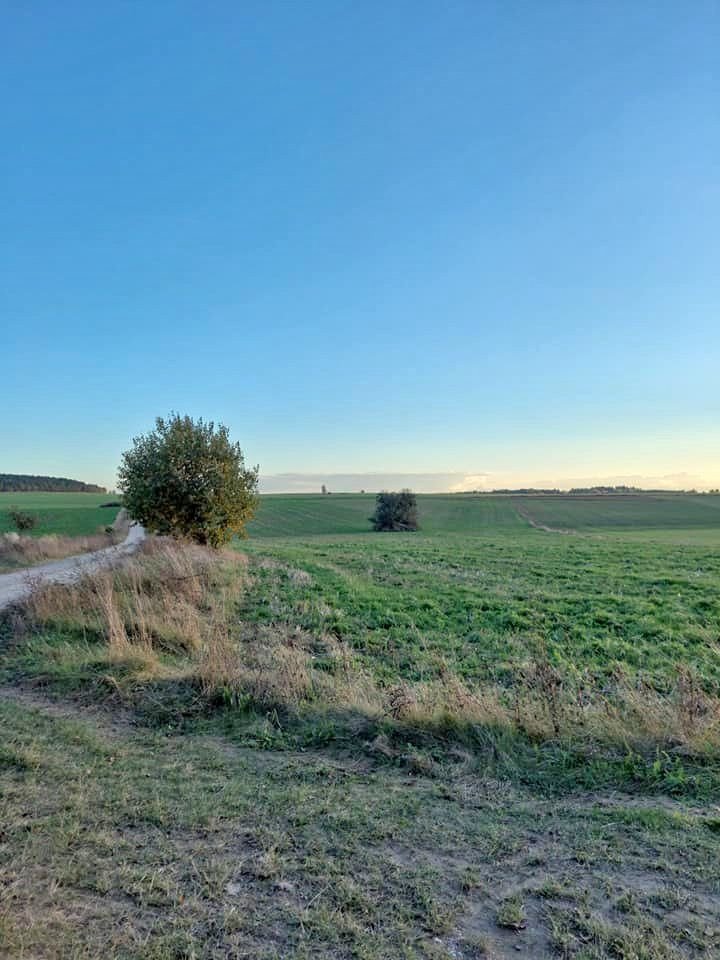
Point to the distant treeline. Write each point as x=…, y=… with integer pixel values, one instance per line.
x=25, y=483
x=579, y=491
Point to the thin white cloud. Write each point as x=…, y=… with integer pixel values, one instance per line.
x=472, y=481
x=459, y=482
x=355, y=482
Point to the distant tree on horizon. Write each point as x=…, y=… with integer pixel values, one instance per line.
x=188, y=480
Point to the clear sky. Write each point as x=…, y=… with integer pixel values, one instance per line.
x=474, y=242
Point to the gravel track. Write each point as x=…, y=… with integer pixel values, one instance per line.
x=20, y=584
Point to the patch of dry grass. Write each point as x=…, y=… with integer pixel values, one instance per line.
x=684, y=720
x=24, y=551
x=170, y=599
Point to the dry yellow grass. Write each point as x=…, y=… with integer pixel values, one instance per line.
x=18, y=550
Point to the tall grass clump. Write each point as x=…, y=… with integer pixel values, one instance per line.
x=151, y=617
x=163, y=631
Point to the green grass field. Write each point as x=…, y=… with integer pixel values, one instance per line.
x=144, y=818
x=280, y=516
x=481, y=603
x=66, y=514
x=342, y=513
x=663, y=516
x=650, y=512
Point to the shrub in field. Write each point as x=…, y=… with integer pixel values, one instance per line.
x=395, y=511
x=187, y=479
x=23, y=521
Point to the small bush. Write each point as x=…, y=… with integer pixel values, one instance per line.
x=395, y=511
x=23, y=521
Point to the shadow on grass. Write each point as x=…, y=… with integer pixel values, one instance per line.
x=77, y=668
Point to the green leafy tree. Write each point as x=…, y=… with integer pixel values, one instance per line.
x=187, y=479
x=395, y=511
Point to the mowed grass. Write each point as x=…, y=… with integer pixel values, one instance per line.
x=65, y=514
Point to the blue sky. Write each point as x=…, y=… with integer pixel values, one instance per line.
x=476, y=243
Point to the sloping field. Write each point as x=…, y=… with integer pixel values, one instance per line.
x=693, y=518
x=308, y=515
x=68, y=514
x=645, y=512
x=673, y=516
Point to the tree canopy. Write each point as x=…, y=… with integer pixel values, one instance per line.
x=395, y=511
x=187, y=479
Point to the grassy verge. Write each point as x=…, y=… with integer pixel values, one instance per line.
x=17, y=552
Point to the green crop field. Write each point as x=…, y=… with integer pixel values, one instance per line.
x=671, y=517
x=481, y=603
x=666, y=516
x=68, y=514
x=478, y=586
x=646, y=513
x=482, y=740
x=309, y=514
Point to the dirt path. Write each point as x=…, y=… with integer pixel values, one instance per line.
x=539, y=526
x=18, y=585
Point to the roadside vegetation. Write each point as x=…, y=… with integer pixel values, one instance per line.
x=18, y=551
